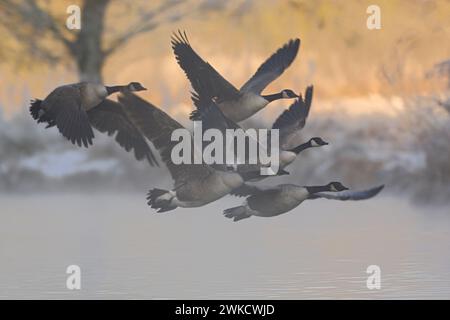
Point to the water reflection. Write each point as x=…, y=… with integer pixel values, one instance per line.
x=320, y=250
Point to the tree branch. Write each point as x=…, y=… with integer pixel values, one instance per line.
x=29, y=13
x=51, y=25
x=146, y=22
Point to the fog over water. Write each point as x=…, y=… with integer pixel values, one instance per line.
x=319, y=250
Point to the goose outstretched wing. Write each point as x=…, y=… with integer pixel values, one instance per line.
x=272, y=68
x=293, y=119
x=64, y=106
x=109, y=117
x=210, y=114
x=348, y=195
x=157, y=126
x=199, y=72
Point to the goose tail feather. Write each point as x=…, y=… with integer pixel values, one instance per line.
x=236, y=213
x=160, y=200
x=40, y=115
x=35, y=109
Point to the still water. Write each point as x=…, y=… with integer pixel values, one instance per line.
x=124, y=250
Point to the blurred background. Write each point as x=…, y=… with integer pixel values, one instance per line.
x=377, y=92
x=382, y=97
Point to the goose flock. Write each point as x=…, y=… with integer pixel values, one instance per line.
x=76, y=109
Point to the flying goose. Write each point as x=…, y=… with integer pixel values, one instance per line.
x=289, y=124
x=236, y=104
x=273, y=201
x=75, y=108
x=292, y=120
x=194, y=184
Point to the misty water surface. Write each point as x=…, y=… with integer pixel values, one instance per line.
x=319, y=250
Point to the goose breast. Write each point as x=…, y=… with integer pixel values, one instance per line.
x=273, y=203
x=92, y=95
x=213, y=187
x=244, y=107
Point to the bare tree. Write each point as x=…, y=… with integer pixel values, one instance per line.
x=44, y=35
x=441, y=69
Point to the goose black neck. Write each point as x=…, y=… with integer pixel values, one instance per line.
x=273, y=97
x=114, y=89
x=301, y=147
x=315, y=189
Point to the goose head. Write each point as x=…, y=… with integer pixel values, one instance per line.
x=289, y=155
x=288, y=94
x=317, y=142
x=336, y=187
x=135, y=86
